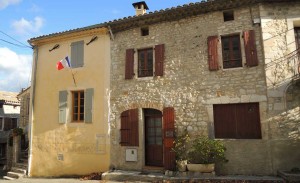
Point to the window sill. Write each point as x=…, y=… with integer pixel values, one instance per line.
x=232, y=69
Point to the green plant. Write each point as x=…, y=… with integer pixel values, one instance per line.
x=180, y=146
x=206, y=151
x=17, y=131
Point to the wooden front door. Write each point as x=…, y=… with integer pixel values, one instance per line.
x=153, y=137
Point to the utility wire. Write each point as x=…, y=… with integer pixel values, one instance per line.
x=14, y=39
x=22, y=46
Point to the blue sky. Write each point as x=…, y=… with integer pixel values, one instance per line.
x=24, y=19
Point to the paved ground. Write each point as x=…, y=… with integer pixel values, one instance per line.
x=31, y=180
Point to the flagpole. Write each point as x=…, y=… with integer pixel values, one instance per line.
x=73, y=77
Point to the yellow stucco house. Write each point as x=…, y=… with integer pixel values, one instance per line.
x=69, y=108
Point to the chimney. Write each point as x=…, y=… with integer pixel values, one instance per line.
x=140, y=8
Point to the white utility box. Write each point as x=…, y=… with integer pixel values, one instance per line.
x=131, y=155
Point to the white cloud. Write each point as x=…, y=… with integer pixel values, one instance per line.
x=15, y=70
x=26, y=27
x=5, y=3
x=34, y=8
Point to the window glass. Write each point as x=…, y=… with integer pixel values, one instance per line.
x=145, y=65
x=78, y=106
x=231, y=51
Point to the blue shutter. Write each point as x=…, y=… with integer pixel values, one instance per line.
x=62, y=113
x=88, y=105
x=77, y=54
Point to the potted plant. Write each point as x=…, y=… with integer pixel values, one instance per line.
x=204, y=153
x=17, y=131
x=180, y=149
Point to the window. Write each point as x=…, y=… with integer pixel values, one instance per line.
x=77, y=54
x=297, y=37
x=228, y=16
x=145, y=31
x=78, y=106
x=237, y=121
x=145, y=62
x=231, y=50
x=14, y=123
x=80, y=103
x=1, y=124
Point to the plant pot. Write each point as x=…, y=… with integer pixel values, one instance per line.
x=181, y=165
x=203, y=168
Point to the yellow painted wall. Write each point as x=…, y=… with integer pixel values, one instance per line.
x=85, y=147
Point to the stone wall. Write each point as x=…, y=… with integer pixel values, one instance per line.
x=278, y=22
x=189, y=87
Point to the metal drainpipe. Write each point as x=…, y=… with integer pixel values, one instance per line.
x=32, y=94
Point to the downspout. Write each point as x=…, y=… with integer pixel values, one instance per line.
x=31, y=116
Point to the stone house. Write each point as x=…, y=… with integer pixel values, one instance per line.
x=227, y=69
x=207, y=67
x=69, y=107
x=9, y=117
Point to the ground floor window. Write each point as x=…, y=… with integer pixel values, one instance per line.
x=237, y=121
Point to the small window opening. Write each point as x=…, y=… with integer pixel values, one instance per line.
x=228, y=16
x=145, y=31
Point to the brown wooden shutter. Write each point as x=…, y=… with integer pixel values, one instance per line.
x=212, y=42
x=129, y=128
x=159, y=59
x=169, y=131
x=250, y=48
x=129, y=73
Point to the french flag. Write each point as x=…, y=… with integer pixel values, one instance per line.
x=64, y=63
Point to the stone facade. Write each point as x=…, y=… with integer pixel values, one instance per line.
x=282, y=75
x=188, y=85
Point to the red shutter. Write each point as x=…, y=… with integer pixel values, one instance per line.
x=212, y=42
x=159, y=59
x=250, y=48
x=169, y=131
x=129, y=128
x=129, y=64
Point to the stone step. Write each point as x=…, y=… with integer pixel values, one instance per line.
x=8, y=178
x=19, y=170
x=14, y=175
x=21, y=165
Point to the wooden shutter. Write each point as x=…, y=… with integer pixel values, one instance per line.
x=129, y=128
x=169, y=132
x=129, y=73
x=77, y=54
x=250, y=48
x=88, y=105
x=224, y=121
x=159, y=59
x=62, y=113
x=212, y=42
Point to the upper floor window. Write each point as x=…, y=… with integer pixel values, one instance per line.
x=150, y=62
x=297, y=37
x=80, y=103
x=228, y=15
x=231, y=49
x=145, y=62
x=144, y=31
x=78, y=106
x=77, y=54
